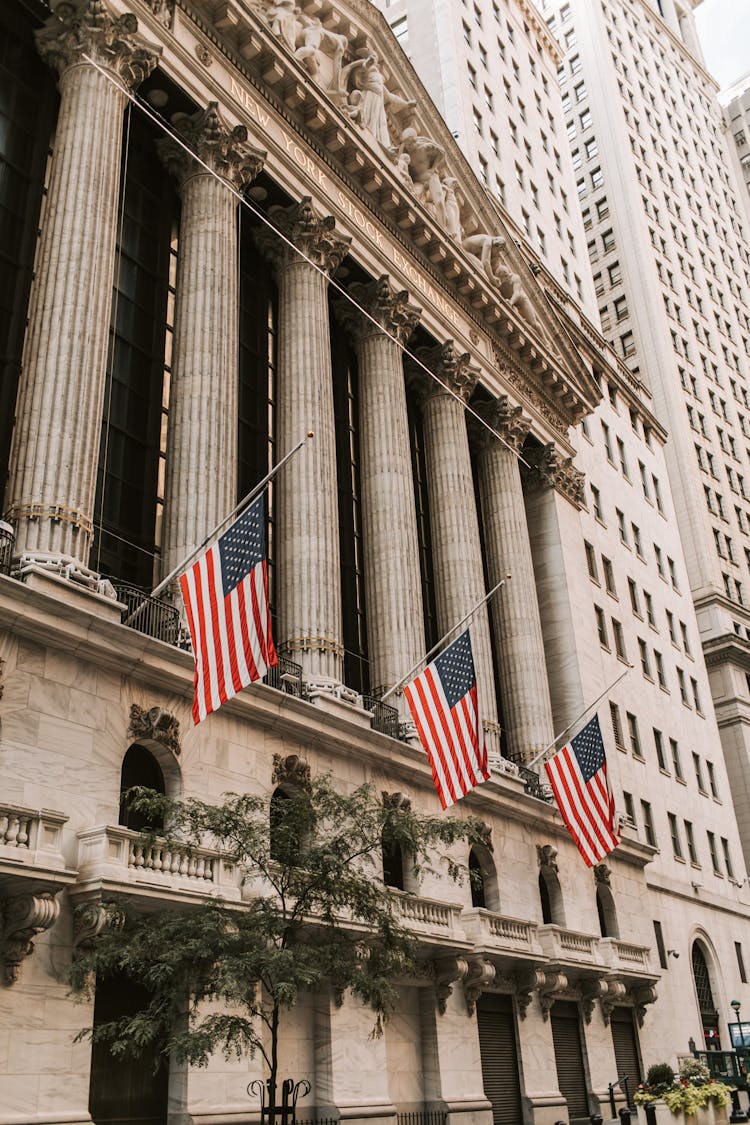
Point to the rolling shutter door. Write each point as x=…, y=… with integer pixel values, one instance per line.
x=497, y=1045
x=571, y=1076
x=625, y=1040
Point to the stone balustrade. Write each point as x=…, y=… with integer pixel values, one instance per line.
x=566, y=945
x=426, y=914
x=624, y=955
x=118, y=858
x=31, y=836
x=497, y=932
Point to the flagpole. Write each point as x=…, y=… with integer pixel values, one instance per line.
x=530, y=765
x=443, y=639
x=248, y=499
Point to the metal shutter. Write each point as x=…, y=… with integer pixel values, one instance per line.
x=497, y=1045
x=625, y=1040
x=571, y=1076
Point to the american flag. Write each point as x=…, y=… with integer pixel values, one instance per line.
x=578, y=776
x=226, y=599
x=443, y=703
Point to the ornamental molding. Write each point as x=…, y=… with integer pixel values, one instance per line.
x=545, y=468
x=454, y=371
x=546, y=855
x=446, y=971
x=85, y=31
x=479, y=976
x=23, y=918
x=505, y=419
x=293, y=770
x=554, y=985
x=156, y=725
x=616, y=993
x=525, y=983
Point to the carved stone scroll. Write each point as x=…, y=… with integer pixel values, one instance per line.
x=218, y=149
x=548, y=469
x=387, y=306
x=547, y=856
x=525, y=983
x=157, y=725
x=85, y=30
x=292, y=770
x=480, y=975
x=314, y=236
x=616, y=993
x=453, y=369
x=555, y=983
x=446, y=971
x=641, y=998
x=24, y=918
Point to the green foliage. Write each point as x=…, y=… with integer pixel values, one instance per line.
x=314, y=911
x=693, y=1070
x=688, y=1098
x=693, y=1090
x=660, y=1074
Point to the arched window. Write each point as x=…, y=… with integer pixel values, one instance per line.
x=483, y=879
x=550, y=895
x=393, y=866
x=476, y=878
x=706, y=1002
x=605, y=906
x=140, y=767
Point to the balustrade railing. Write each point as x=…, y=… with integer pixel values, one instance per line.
x=31, y=835
x=489, y=928
x=557, y=942
x=152, y=616
x=417, y=911
x=423, y=1117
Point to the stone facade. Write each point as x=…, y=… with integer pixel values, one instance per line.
x=306, y=122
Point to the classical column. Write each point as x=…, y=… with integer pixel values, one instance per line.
x=395, y=621
x=553, y=489
x=456, y=547
x=201, y=484
x=306, y=501
x=524, y=689
x=56, y=439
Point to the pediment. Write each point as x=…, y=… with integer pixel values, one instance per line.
x=339, y=71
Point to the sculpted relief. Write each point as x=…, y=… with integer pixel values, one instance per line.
x=357, y=82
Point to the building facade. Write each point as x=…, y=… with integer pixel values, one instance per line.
x=231, y=225
x=736, y=103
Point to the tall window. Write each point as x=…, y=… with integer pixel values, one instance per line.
x=130, y=473
x=346, y=410
x=27, y=108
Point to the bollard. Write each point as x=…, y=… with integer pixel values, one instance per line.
x=596, y=1119
x=650, y=1113
x=624, y=1115
x=737, y=1113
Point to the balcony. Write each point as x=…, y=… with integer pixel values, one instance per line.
x=31, y=849
x=426, y=917
x=624, y=957
x=152, y=616
x=285, y=676
x=568, y=947
x=384, y=717
x=113, y=859
x=511, y=938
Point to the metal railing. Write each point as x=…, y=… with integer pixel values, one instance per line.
x=152, y=616
x=7, y=539
x=532, y=784
x=384, y=717
x=727, y=1066
x=285, y=676
x=423, y=1117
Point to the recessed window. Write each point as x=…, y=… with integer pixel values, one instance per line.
x=601, y=627
x=614, y=712
x=690, y=839
x=648, y=823
x=674, y=832
x=635, y=738
x=659, y=747
x=591, y=561
x=609, y=577
x=713, y=853
x=619, y=640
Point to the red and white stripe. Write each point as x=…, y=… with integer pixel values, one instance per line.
x=232, y=640
x=451, y=738
x=588, y=808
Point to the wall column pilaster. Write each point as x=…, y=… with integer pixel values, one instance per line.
x=201, y=484
x=457, y=552
x=524, y=689
x=59, y=412
x=395, y=621
x=306, y=509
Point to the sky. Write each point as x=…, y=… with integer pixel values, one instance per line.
x=724, y=30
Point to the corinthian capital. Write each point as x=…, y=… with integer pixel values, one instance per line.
x=452, y=368
x=84, y=30
x=505, y=419
x=223, y=150
x=303, y=229
x=547, y=469
x=388, y=307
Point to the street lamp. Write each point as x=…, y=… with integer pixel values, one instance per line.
x=735, y=1005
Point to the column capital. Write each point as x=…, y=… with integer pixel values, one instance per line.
x=223, y=149
x=549, y=470
x=81, y=30
x=388, y=306
x=453, y=368
x=312, y=235
x=507, y=420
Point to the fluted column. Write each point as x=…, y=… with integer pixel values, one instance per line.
x=56, y=440
x=550, y=484
x=306, y=504
x=395, y=620
x=201, y=484
x=524, y=688
x=457, y=552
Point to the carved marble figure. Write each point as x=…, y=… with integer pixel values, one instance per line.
x=369, y=96
x=283, y=17
x=426, y=159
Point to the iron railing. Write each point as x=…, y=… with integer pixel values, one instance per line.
x=152, y=616
x=532, y=783
x=422, y=1117
x=285, y=676
x=7, y=539
x=727, y=1066
x=384, y=717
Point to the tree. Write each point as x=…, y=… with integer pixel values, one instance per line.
x=315, y=910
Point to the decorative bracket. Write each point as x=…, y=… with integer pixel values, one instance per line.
x=616, y=993
x=525, y=982
x=591, y=991
x=641, y=997
x=480, y=975
x=24, y=918
x=446, y=971
x=555, y=983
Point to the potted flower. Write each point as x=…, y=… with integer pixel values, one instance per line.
x=692, y=1093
